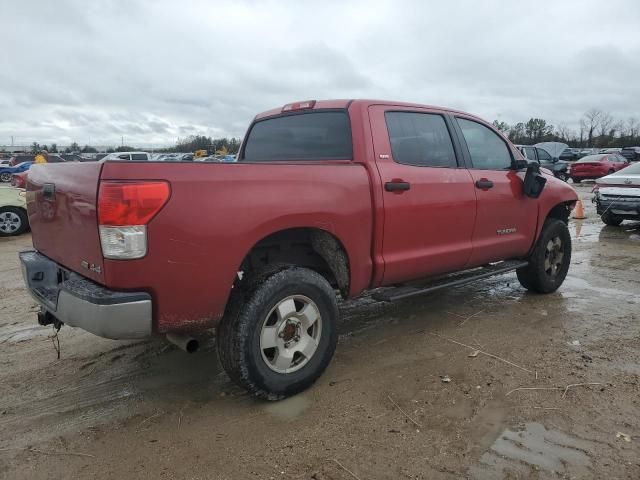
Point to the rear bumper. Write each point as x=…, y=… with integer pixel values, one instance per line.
x=78, y=302
x=587, y=175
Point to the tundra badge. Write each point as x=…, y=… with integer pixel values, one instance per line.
x=506, y=231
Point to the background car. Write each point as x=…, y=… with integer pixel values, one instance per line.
x=17, y=159
x=131, y=156
x=7, y=172
x=617, y=196
x=19, y=180
x=4, y=162
x=570, y=154
x=631, y=153
x=560, y=168
x=610, y=150
x=587, y=151
x=596, y=166
x=13, y=212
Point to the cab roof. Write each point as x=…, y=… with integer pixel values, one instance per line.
x=344, y=104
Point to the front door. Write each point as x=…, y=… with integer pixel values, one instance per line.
x=506, y=220
x=429, y=198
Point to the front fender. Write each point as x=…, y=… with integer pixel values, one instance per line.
x=555, y=193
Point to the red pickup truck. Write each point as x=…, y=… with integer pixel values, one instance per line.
x=326, y=199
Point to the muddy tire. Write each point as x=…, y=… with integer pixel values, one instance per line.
x=13, y=221
x=576, y=180
x=279, y=333
x=611, y=219
x=550, y=260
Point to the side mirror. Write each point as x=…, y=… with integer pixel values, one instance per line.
x=520, y=164
x=534, y=182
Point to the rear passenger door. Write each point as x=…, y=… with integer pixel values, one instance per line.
x=428, y=195
x=506, y=220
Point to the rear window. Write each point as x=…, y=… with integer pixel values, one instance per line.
x=308, y=136
x=139, y=156
x=591, y=158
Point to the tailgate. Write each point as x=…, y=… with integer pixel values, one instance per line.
x=61, y=202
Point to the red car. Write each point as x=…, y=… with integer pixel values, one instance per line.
x=325, y=197
x=596, y=166
x=19, y=180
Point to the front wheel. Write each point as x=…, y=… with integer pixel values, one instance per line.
x=5, y=177
x=549, y=262
x=279, y=335
x=610, y=219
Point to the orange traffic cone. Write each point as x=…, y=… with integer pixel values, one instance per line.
x=578, y=213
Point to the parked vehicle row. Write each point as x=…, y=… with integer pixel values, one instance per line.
x=617, y=196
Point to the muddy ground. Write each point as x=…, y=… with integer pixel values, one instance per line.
x=114, y=410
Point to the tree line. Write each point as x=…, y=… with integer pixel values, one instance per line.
x=596, y=128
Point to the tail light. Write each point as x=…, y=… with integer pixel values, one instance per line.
x=19, y=180
x=124, y=210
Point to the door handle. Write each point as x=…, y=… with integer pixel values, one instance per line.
x=484, y=184
x=397, y=186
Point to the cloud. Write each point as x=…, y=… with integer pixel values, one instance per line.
x=153, y=71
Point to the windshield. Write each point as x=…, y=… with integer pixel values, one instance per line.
x=591, y=158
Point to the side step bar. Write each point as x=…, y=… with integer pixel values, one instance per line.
x=453, y=280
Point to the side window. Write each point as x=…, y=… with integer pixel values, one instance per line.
x=530, y=153
x=543, y=154
x=488, y=151
x=420, y=139
x=124, y=156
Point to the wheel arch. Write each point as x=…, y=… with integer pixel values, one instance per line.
x=309, y=247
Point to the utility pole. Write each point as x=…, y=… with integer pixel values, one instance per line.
x=12, y=140
x=122, y=141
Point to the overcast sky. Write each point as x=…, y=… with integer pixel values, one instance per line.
x=153, y=71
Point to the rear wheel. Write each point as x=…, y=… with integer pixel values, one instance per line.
x=563, y=176
x=550, y=260
x=611, y=219
x=576, y=180
x=13, y=221
x=279, y=335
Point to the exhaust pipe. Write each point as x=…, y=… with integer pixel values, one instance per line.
x=188, y=344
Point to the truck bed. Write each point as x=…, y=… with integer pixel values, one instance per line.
x=197, y=242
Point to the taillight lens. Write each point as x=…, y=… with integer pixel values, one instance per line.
x=124, y=210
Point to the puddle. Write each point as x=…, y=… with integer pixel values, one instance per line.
x=534, y=449
x=572, y=283
x=289, y=408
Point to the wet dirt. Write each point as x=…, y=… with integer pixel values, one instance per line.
x=110, y=409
